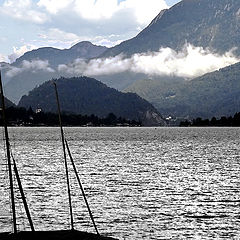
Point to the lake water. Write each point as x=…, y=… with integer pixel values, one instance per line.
x=141, y=183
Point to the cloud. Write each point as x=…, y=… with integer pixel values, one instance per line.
x=143, y=10
x=75, y=68
x=19, y=51
x=23, y=10
x=55, y=35
x=54, y=6
x=41, y=11
x=105, y=41
x=62, y=23
x=13, y=72
x=3, y=39
x=32, y=66
x=96, y=67
x=3, y=58
x=98, y=9
x=61, y=39
x=189, y=62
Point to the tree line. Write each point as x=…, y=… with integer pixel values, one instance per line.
x=214, y=122
x=19, y=116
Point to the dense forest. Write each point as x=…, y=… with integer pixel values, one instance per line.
x=221, y=122
x=23, y=117
x=86, y=96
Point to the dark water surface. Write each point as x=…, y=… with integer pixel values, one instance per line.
x=141, y=183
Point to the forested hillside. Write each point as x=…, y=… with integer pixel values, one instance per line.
x=88, y=96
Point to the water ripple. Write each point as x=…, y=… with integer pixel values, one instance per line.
x=142, y=183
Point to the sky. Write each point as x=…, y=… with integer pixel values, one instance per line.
x=30, y=24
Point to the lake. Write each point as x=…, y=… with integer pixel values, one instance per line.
x=141, y=183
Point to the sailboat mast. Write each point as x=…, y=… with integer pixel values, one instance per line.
x=8, y=157
x=81, y=187
x=22, y=194
x=65, y=157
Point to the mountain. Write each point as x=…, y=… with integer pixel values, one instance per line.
x=34, y=67
x=54, y=56
x=213, y=94
x=213, y=24
x=4, y=67
x=8, y=103
x=25, y=81
x=88, y=96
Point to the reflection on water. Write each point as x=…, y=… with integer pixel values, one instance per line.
x=142, y=183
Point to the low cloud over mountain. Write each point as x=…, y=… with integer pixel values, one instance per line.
x=190, y=62
x=32, y=66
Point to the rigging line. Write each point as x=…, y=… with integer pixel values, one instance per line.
x=22, y=194
x=65, y=157
x=8, y=158
x=81, y=187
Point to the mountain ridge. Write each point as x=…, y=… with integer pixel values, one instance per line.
x=55, y=56
x=205, y=23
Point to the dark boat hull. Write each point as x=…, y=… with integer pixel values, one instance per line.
x=53, y=235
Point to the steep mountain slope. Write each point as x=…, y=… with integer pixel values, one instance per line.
x=207, y=23
x=213, y=94
x=88, y=96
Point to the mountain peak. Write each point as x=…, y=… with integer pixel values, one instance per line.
x=86, y=46
x=82, y=44
x=84, y=49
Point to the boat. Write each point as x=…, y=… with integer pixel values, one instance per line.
x=72, y=233
x=53, y=235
